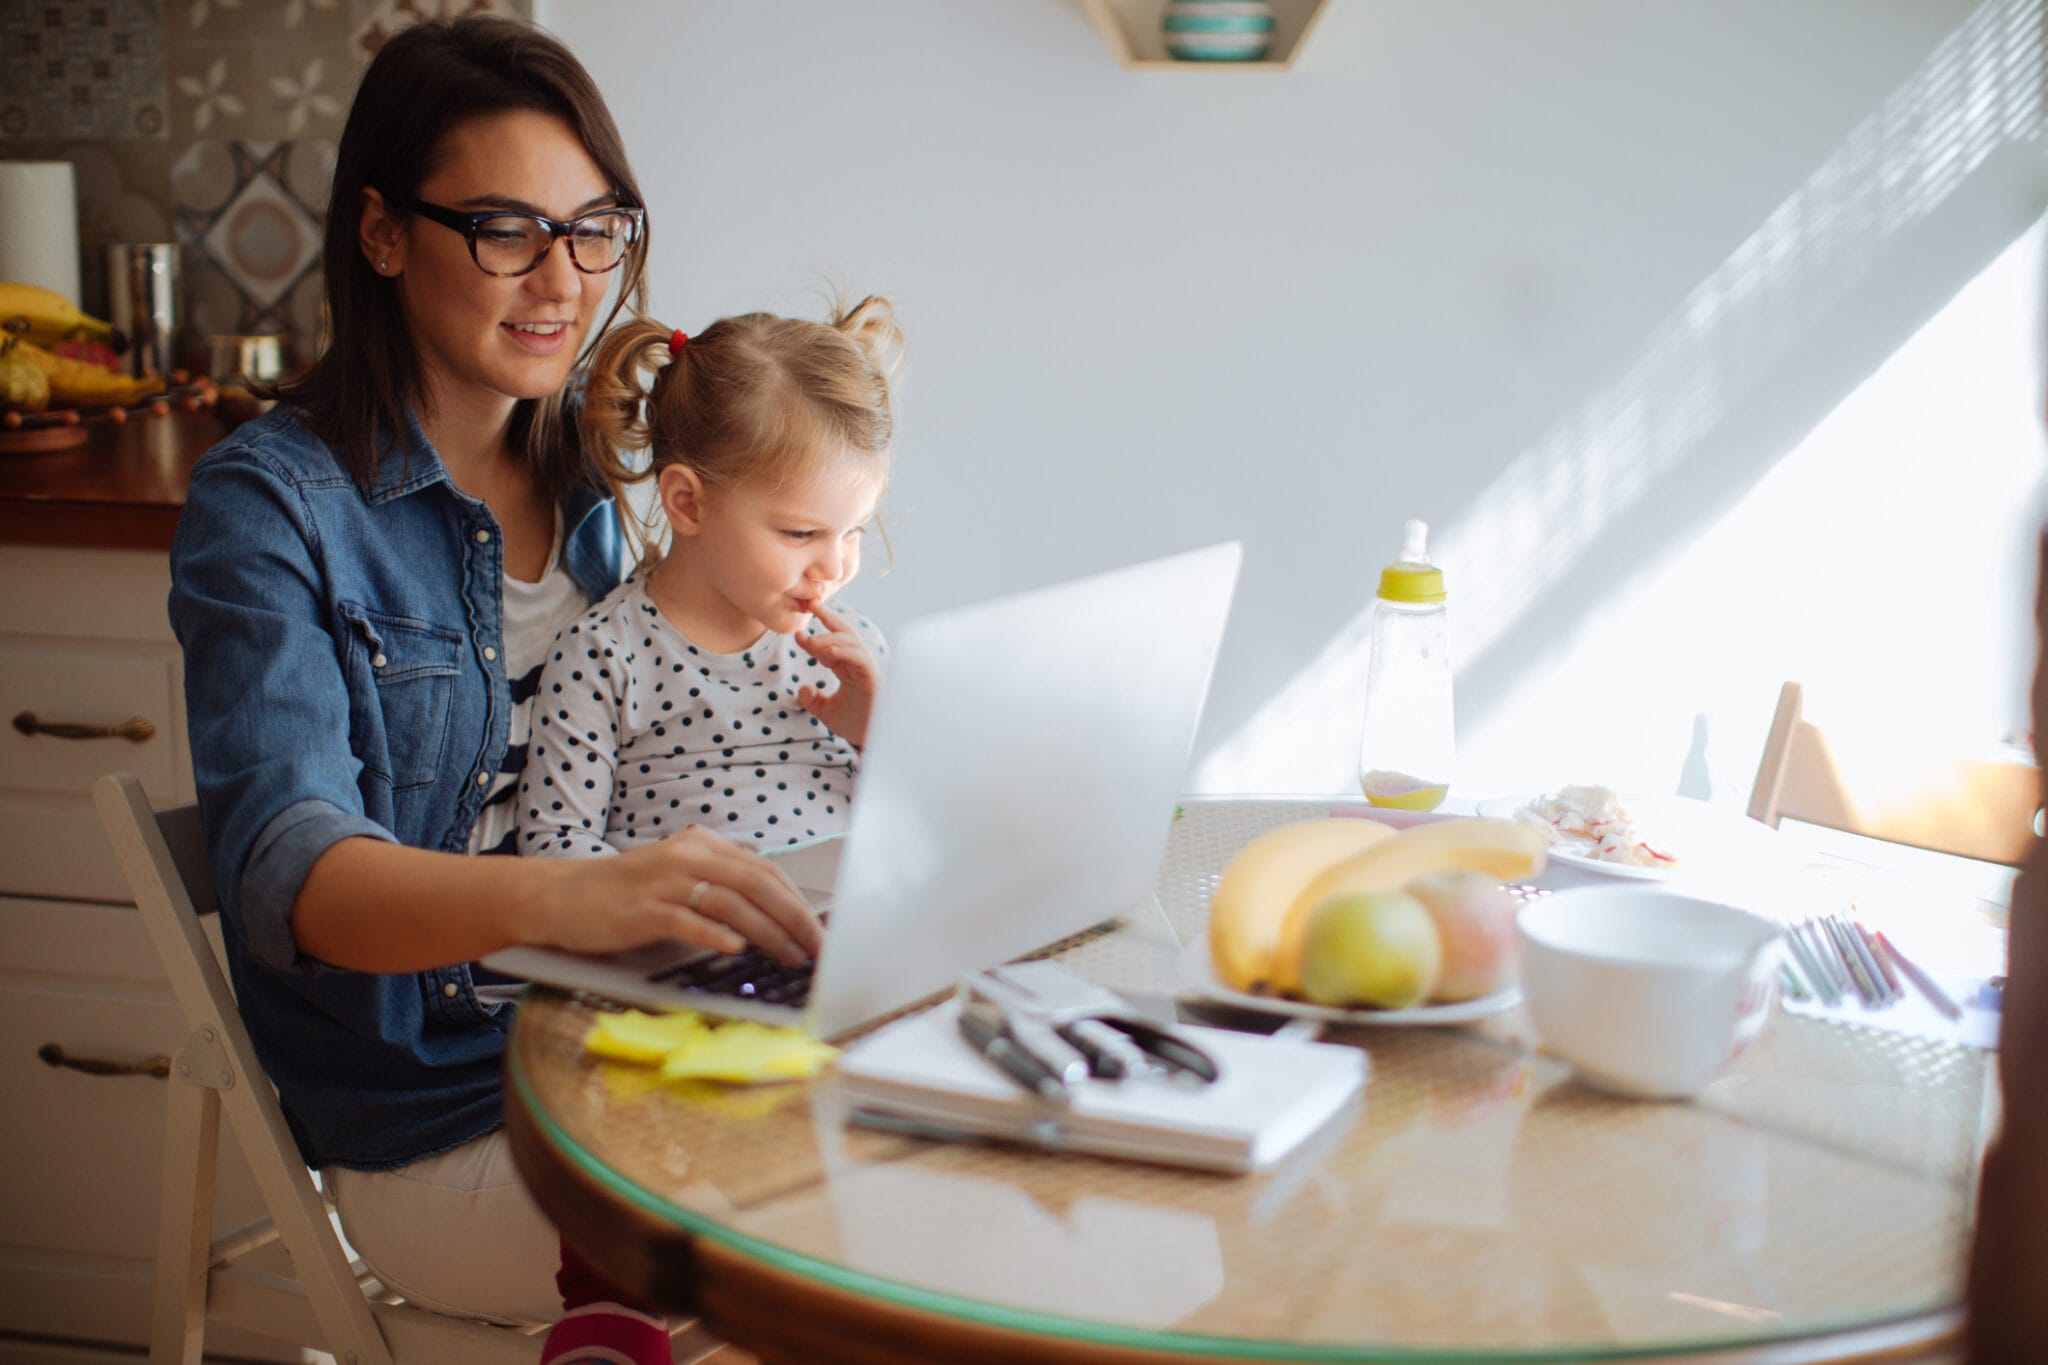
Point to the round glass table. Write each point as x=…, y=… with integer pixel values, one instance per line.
x=1814, y=1203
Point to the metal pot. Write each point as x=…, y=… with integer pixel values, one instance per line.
x=247, y=357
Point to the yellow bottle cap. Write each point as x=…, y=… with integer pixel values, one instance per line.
x=1412, y=577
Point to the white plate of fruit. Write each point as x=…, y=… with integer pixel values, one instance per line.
x=1199, y=975
x=1351, y=921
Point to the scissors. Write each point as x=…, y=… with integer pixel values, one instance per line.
x=1078, y=1029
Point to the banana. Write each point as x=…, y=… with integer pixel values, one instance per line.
x=80, y=384
x=1263, y=880
x=50, y=316
x=1506, y=849
x=23, y=385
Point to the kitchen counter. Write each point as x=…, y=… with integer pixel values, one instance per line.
x=122, y=490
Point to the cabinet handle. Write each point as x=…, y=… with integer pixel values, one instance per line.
x=134, y=729
x=53, y=1054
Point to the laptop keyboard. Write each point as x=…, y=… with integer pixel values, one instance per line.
x=751, y=975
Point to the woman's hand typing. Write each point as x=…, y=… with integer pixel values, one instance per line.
x=374, y=906
x=693, y=886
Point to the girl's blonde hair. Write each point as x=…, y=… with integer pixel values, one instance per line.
x=750, y=399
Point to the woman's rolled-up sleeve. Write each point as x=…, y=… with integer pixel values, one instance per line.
x=266, y=705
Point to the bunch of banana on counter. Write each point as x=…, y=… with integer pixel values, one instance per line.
x=1352, y=913
x=33, y=376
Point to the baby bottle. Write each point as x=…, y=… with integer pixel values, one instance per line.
x=1405, y=748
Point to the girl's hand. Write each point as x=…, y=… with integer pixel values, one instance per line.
x=845, y=708
x=694, y=887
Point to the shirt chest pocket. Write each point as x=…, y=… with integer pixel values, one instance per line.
x=402, y=676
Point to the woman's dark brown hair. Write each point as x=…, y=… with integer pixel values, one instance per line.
x=425, y=81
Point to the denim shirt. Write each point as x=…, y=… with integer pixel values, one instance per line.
x=344, y=677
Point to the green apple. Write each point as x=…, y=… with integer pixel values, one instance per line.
x=1375, y=948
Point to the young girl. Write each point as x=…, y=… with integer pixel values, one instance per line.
x=721, y=686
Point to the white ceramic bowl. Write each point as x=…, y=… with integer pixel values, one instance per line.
x=1645, y=991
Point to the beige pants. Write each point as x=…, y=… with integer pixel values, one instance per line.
x=457, y=1233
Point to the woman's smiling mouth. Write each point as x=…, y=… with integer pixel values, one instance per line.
x=542, y=338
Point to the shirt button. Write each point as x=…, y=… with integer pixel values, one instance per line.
x=448, y=990
x=483, y=779
x=379, y=661
x=489, y=653
x=483, y=537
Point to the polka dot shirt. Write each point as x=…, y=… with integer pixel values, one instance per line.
x=638, y=733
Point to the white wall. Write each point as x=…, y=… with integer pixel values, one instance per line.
x=1632, y=299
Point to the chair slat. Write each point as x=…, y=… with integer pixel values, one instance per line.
x=1972, y=808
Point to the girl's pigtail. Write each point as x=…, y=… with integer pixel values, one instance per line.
x=617, y=423
x=872, y=325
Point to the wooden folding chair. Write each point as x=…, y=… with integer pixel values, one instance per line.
x=334, y=1305
x=1971, y=807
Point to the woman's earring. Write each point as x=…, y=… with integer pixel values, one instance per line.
x=384, y=266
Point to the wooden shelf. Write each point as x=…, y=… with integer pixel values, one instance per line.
x=1130, y=29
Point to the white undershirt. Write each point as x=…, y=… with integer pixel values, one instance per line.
x=534, y=614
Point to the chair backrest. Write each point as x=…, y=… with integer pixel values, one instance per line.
x=185, y=842
x=1974, y=808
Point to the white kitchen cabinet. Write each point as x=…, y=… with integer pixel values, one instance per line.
x=84, y=642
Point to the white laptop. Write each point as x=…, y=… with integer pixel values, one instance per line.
x=1017, y=787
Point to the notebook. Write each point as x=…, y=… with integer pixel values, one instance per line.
x=1017, y=787
x=1271, y=1096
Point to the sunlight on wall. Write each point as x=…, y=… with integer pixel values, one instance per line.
x=1817, y=569
x=1886, y=562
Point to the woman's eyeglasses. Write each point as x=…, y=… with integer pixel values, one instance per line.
x=504, y=243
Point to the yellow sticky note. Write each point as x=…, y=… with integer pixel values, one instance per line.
x=749, y=1052
x=686, y=1046
x=635, y=1036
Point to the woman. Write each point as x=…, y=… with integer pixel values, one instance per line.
x=364, y=582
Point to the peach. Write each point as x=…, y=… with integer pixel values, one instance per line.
x=1475, y=922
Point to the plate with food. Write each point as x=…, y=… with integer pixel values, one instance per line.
x=1351, y=921
x=1198, y=973
x=1598, y=830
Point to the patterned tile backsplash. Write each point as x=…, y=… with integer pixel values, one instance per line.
x=211, y=123
x=83, y=68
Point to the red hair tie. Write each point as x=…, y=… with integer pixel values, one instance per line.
x=678, y=339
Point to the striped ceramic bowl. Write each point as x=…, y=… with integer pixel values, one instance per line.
x=1218, y=30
